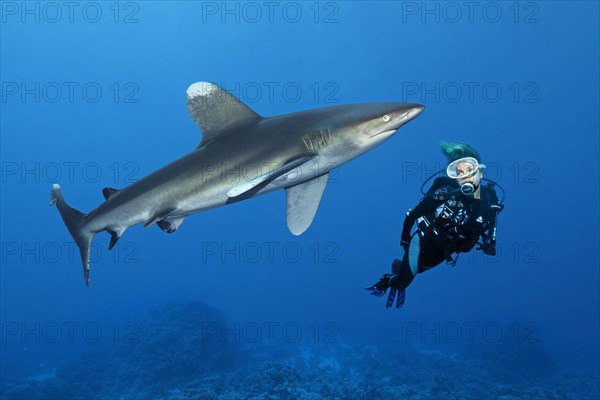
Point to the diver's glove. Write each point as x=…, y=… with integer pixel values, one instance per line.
x=383, y=284
x=487, y=248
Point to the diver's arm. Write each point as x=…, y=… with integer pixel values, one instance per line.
x=426, y=205
x=488, y=237
x=409, y=221
x=411, y=216
x=488, y=243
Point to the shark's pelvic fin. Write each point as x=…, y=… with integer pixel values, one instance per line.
x=107, y=192
x=157, y=217
x=269, y=175
x=302, y=203
x=170, y=225
x=215, y=110
x=75, y=222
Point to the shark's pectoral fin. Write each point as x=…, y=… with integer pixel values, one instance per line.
x=302, y=203
x=270, y=175
x=107, y=192
x=159, y=216
x=170, y=225
x=215, y=110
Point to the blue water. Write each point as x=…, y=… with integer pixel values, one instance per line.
x=93, y=96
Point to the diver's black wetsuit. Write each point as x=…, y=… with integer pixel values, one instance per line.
x=446, y=224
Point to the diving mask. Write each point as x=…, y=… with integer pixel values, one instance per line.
x=463, y=168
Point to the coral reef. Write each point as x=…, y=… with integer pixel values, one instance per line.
x=173, y=358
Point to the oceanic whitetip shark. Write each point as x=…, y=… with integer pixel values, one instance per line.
x=241, y=155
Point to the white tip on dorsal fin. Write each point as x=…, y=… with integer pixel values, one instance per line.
x=214, y=109
x=302, y=203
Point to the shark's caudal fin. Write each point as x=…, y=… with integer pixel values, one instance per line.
x=74, y=220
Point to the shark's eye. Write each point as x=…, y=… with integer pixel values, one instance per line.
x=386, y=118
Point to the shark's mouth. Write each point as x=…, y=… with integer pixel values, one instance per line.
x=390, y=132
x=384, y=133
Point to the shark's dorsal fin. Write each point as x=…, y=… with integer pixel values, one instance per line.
x=302, y=203
x=107, y=192
x=214, y=109
x=270, y=175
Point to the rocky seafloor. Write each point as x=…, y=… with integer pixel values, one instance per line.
x=173, y=359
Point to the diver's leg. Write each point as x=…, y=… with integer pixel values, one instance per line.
x=431, y=255
x=380, y=287
x=403, y=272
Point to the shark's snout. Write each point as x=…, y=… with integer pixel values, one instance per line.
x=402, y=116
x=409, y=113
x=416, y=111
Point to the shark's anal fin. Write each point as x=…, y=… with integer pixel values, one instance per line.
x=170, y=225
x=115, y=234
x=114, y=237
x=302, y=203
x=269, y=175
x=107, y=192
x=159, y=216
x=214, y=110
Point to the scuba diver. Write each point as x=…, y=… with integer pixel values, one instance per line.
x=451, y=217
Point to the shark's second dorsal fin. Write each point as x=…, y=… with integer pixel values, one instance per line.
x=214, y=109
x=107, y=192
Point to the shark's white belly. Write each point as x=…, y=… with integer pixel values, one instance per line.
x=216, y=195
